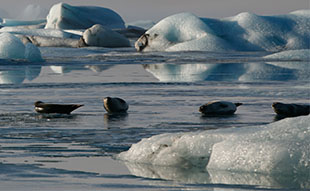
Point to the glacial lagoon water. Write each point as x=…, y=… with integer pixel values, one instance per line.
x=164, y=91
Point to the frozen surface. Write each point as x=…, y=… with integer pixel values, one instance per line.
x=58, y=33
x=280, y=147
x=243, y=32
x=64, y=16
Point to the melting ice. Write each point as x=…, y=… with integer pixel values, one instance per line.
x=280, y=147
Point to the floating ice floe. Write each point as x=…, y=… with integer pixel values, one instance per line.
x=280, y=147
x=243, y=32
x=101, y=36
x=64, y=16
x=12, y=47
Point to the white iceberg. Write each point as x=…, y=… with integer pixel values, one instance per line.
x=243, y=32
x=12, y=47
x=64, y=16
x=280, y=147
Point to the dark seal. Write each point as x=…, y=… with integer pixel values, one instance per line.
x=115, y=105
x=42, y=107
x=219, y=108
x=290, y=110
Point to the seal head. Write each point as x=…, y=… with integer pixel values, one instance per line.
x=290, y=110
x=115, y=105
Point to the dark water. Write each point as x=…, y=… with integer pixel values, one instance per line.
x=164, y=92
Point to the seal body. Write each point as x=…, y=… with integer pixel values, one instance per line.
x=219, y=108
x=42, y=107
x=115, y=105
x=290, y=110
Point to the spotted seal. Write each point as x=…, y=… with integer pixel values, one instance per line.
x=115, y=105
x=219, y=108
x=42, y=107
x=290, y=110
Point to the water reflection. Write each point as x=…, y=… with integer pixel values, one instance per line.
x=113, y=121
x=201, y=176
x=244, y=72
x=18, y=74
x=230, y=71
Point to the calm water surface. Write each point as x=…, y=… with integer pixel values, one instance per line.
x=164, y=91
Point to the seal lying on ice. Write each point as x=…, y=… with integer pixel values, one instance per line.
x=219, y=108
x=290, y=110
x=115, y=105
x=42, y=107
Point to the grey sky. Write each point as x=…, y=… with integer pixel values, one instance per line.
x=155, y=10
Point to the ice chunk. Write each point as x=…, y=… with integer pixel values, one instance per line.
x=280, y=147
x=183, y=31
x=12, y=47
x=101, y=36
x=64, y=16
x=243, y=32
x=32, y=53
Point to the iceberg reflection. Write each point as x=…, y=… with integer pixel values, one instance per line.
x=201, y=176
x=229, y=72
x=18, y=74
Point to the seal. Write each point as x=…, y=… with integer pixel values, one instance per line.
x=290, y=110
x=42, y=107
x=115, y=105
x=219, y=108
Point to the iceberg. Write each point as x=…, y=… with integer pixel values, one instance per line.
x=12, y=47
x=282, y=147
x=64, y=16
x=243, y=32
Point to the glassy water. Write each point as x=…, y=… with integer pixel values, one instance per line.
x=164, y=92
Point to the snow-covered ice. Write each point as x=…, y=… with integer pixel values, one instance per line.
x=243, y=32
x=65, y=16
